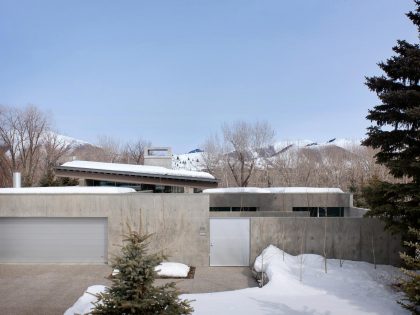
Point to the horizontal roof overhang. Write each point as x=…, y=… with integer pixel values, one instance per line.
x=135, y=177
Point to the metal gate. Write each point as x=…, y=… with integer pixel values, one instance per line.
x=229, y=241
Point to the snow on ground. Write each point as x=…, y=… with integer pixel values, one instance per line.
x=172, y=269
x=141, y=169
x=354, y=289
x=273, y=190
x=84, y=304
x=193, y=161
x=168, y=269
x=339, y=142
x=67, y=190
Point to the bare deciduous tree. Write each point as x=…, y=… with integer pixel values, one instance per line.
x=54, y=148
x=213, y=154
x=242, y=145
x=21, y=130
x=245, y=142
x=134, y=152
x=109, y=149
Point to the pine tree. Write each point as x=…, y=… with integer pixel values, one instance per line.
x=49, y=179
x=411, y=283
x=395, y=133
x=132, y=290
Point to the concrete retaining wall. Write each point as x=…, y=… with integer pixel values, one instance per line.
x=349, y=238
x=180, y=222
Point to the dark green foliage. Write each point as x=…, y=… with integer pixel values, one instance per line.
x=396, y=204
x=49, y=179
x=358, y=197
x=132, y=290
x=396, y=135
x=411, y=283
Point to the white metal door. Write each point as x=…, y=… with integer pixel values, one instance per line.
x=53, y=240
x=229, y=241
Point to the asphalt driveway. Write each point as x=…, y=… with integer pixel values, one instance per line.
x=51, y=289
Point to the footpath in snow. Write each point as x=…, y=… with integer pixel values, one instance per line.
x=356, y=288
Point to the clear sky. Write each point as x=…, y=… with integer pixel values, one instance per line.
x=174, y=71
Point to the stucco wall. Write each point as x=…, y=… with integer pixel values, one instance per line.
x=179, y=221
x=280, y=202
x=349, y=238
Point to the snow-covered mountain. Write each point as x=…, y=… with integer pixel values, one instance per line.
x=194, y=160
x=68, y=141
x=341, y=142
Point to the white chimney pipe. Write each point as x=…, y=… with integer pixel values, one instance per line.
x=16, y=180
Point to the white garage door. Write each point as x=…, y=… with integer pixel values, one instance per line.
x=51, y=240
x=229, y=242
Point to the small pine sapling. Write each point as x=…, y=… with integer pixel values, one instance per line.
x=132, y=290
x=410, y=284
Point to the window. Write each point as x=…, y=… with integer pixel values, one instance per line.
x=322, y=211
x=244, y=208
x=233, y=209
x=138, y=187
x=313, y=211
x=219, y=208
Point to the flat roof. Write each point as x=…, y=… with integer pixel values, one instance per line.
x=135, y=173
x=67, y=190
x=274, y=190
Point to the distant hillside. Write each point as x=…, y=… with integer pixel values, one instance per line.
x=287, y=149
x=72, y=142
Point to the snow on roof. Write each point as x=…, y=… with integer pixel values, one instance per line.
x=272, y=190
x=141, y=169
x=67, y=190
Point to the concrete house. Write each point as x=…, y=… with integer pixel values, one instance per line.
x=217, y=227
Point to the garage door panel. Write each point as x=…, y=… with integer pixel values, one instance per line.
x=53, y=240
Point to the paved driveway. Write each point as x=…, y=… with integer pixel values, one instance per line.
x=51, y=289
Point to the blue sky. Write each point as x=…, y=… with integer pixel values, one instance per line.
x=174, y=71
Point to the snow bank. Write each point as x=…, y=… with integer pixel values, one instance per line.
x=172, y=269
x=273, y=190
x=354, y=289
x=67, y=190
x=84, y=304
x=357, y=288
x=141, y=169
x=168, y=269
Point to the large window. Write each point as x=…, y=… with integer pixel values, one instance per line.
x=322, y=211
x=138, y=187
x=228, y=209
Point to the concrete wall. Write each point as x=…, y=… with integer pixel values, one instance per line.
x=180, y=221
x=349, y=238
x=355, y=212
x=282, y=201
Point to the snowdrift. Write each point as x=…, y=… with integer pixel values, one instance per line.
x=356, y=288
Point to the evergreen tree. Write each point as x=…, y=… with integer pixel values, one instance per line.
x=411, y=283
x=49, y=179
x=395, y=133
x=132, y=290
